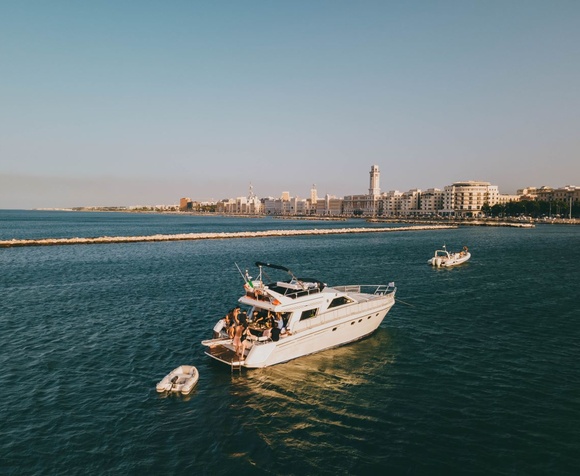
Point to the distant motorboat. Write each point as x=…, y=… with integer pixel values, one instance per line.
x=179, y=380
x=445, y=259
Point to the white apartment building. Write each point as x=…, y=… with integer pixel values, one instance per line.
x=391, y=203
x=504, y=198
x=329, y=206
x=410, y=202
x=566, y=193
x=465, y=199
x=241, y=206
x=287, y=205
x=276, y=206
x=431, y=201
x=359, y=205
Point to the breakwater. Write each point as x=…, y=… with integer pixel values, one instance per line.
x=208, y=236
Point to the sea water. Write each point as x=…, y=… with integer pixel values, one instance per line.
x=474, y=370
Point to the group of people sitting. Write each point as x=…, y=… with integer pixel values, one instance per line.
x=270, y=325
x=237, y=327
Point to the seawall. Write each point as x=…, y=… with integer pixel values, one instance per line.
x=210, y=236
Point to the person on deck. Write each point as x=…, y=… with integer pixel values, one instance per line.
x=280, y=323
x=217, y=329
x=270, y=324
x=230, y=324
x=239, y=335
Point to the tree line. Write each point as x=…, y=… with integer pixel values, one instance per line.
x=533, y=208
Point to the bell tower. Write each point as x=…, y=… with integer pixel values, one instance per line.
x=374, y=188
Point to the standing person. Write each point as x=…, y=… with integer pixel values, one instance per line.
x=241, y=326
x=230, y=324
x=244, y=339
x=236, y=314
x=217, y=329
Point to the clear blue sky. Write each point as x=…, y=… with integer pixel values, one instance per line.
x=144, y=102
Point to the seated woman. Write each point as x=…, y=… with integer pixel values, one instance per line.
x=280, y=323
x=259, y=318
x=270, y=324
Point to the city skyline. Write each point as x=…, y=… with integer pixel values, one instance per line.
x=112, y=104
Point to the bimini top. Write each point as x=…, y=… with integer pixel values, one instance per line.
x=292, y=288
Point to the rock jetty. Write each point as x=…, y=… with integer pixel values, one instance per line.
x=210, y=236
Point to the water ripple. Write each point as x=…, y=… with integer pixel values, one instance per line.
x=475, y=374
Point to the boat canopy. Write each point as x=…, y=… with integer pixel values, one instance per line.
x=301, y=281
x=274, y=266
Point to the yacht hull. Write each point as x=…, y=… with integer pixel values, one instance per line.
x=333, y=331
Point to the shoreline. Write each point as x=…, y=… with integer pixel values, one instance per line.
x=417, y=220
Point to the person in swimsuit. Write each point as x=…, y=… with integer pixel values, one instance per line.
x=230, y=324
x=241, y=327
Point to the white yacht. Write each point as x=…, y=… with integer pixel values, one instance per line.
x=311, y=315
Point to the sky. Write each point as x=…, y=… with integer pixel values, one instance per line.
x=126, y=103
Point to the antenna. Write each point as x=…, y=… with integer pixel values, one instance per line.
x=242, y=274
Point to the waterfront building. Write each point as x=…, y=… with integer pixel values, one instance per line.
x=272, y=206
x=410, y=203
x=288, y=205
x=565, y=194
x=390, y=203
x=465, y=199
x=185, y=204
x=365, y=205
x=250, y=205
x=460, y=199
x=528, y=193
x=374, y=189
x=504, y=198
x=357, y=205
x=285, y=205
x=431, y=202
x=329, y=206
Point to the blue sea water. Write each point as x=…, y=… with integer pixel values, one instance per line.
x=474, y=370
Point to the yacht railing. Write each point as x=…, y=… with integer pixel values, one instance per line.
x=375, y=289
x=294, y=293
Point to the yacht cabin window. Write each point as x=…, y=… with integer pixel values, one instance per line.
x=340, y=301
x=308, y=314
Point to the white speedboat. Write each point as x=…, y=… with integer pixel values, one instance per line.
x=179, y=380
x=315, y=317
x=445, y=259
